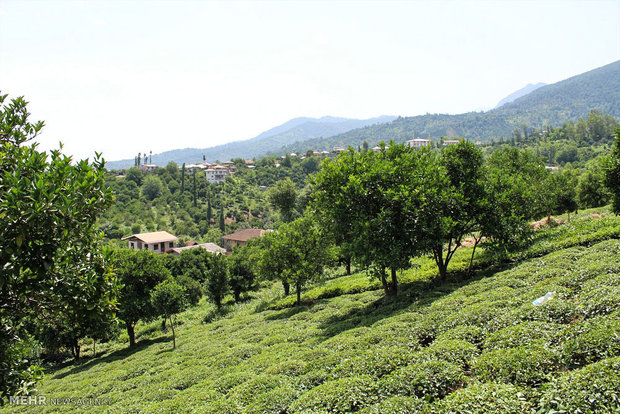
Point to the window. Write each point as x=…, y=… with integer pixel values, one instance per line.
x=156, y=246
x=171, y=245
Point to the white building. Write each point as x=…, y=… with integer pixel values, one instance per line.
x=148, y=167
x=419, y=142
x=450, y=142
x=158, y=241
x=217, y=174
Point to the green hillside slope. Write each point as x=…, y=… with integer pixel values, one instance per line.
x=473, y=344
x=549, y=105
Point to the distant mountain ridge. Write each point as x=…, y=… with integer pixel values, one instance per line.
x=553, y=105
x=521, y=92
x=294, y=130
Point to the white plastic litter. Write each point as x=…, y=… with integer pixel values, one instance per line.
x=544, y=299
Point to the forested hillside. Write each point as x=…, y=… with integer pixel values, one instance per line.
x=549, y=105
x=298, y=129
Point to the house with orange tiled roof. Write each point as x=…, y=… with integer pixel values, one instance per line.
x=237, y=239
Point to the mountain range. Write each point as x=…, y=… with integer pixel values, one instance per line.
x=535, y=105
x=297, y=129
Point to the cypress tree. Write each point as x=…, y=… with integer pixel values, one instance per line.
x=194, y=188
x=222, y=223
x=183, y=179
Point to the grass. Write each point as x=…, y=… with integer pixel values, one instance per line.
x=474, y=344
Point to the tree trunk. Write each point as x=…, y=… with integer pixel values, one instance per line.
x=394, y=286
x=132, y=334
x=287, y=287
x=348, y=263
x=174, y=339
x=386, y=287
x=471, y=260
x=163, y=325
x=298, y=288
x=76, y=346
x=237, y=294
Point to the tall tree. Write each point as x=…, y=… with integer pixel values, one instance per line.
x=612, y=174
x=50, y=252
x=139, y=272
x=168, y=299
x=283, y=196
x=217, y=279
x=194, y=187
x=183, y=179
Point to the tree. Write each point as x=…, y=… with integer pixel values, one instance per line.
x=194, y=188
x=173, y=169
x=183, y=179
x=591, y=189
x=454, y=208
x=612, y=174
x=375, y=199
x=304, y=252
x=222, y=221
x=152, y=187
x=134, y=174
x=242, y=277
x=209, y=211
x=283, y=196
x=270, y=264
x=217, y=279
x=139, y=272
x=515, y=194
x=168, y=299
x=50, y=250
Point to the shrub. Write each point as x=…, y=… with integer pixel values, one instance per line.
x=342, y=395
x=487, y=398
x=523, y=334
x=399, y=405
x=429, y=380
x=588, y=390
x=558, y=310
x=275, y=401
x=457, y=352
x=375, y=362
x=289, y=368
x=472, y=334
x=245, y=393
x=227, y=382
x=193, y=290
x=599, y=340
x=523, y=365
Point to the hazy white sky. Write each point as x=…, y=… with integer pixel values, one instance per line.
x=124, y=77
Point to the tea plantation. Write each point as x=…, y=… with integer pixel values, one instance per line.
x=474, y=344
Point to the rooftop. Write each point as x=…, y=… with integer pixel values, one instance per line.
x=210, y=247
x=154, y=237
x=245, y=235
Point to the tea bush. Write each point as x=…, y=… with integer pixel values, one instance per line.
x=342, y=395
x=592, y=389
x=427, y=380
x=523, y=365
x=599, y=340
x=399, y=405
x=487, y=398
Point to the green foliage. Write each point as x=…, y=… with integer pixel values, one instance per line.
x=242, y=276
x=192, y=288
x=590, y=343
x=135, y=175
x=169, y=298
x=399, y=405
x=612, y=173
x=50, y=252
x=139, y=272
x=426, y=380
x=152, y=187
x=487, y=398
x=283, y=196
x=591, y=190
x=591, y=389
x=522, y=366
x=217, y=279
x=342, y=395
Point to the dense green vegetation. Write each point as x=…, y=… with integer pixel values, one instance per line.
x=410, y=220
x=551, y=105
x=470, y=343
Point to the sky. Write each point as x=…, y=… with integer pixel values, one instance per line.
x=122, y=77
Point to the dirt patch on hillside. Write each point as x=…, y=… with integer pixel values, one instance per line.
x=470, y=241
x=547, y=221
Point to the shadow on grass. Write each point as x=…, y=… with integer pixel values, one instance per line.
x=85, y=365
x=287, y=312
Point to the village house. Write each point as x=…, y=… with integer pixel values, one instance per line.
x=447, y=142
x=148, y=167
x=419, y=142
x=217, y=174
x=210, y=247
x=158, y=241
x=240, y=238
